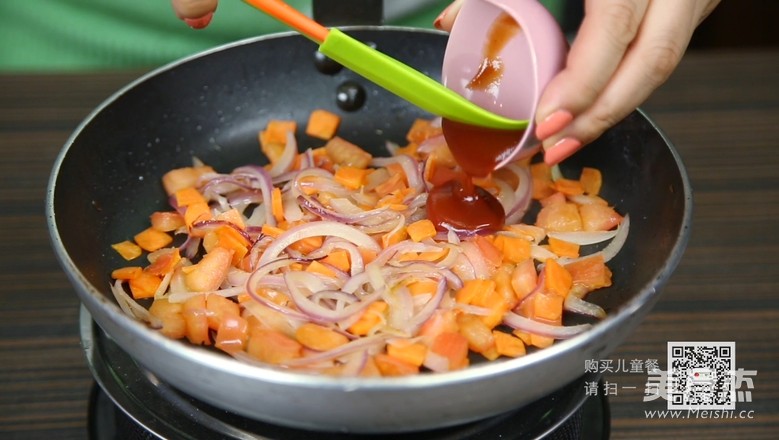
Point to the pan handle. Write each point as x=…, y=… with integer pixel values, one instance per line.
x=347, y=12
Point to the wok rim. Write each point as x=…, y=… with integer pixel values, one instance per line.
x=96, y=299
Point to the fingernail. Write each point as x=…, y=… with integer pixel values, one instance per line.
x=561, y=150
x=440, y=18
x=199, y=23
x=553, y=123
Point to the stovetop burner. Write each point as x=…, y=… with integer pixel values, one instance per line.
x=128, y=402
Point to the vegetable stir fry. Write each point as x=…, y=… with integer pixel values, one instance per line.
x=325, y=260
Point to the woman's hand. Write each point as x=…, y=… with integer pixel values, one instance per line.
x=624, y=50
x=196, y=13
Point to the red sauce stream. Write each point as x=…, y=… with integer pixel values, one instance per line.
x=457, y=204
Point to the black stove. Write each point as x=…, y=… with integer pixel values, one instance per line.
x=128, y=402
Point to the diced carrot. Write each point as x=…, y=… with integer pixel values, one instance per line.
x=508, y=345
x=271, y=231
x=597, y=217
x=232, y=240
x=276, y=205
x=409, y=150
x=542, y=180
x=524, y=279
x=208, y=274
x=421, y=130
x=273, y=347
x=196, y=317
x=547, y=306
x=493, y=300
x=590, y=272
x=317, y=267
x=126, y=273
x=523, y=336
x=411, y=352
x=433, y=255
x=397, y=168
x=393, y=237
x=422, y=287
x=320, y=338
x=127, y=249
x=188, y=196
x=503, y=285
x=166, y=221
x=569, y=187
x=390, y=366
x=232, y=334
x=322, y=124
x=556, y=197
x=197, y=212
x=350, y=177
x=218, y=307
x=541, y=341
x=560, y=217
x=370, y=369
x=164, y=262
x=367, y=255
x=591, y=180
x=514, y=249
x=276, y=131
x=394, y=183
x=308, y=244
x=151, y=239
x=563, y=248
x=557, y=279
x=492, y=254
x=173, y=324
x=232, y=216
x=343, y=152
x=452, y=346
x=478, y=335
x=144, y=285
x=339, y=259
x=472, y=288
x=181, y=178
x=372, y=316
x=421, y=229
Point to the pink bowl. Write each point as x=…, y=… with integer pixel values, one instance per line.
x=530, y=60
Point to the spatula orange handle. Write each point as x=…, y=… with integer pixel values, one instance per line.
x=292, y=18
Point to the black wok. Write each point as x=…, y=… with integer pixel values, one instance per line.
x=105, y=184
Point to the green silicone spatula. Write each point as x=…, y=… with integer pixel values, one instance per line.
x=387, y=72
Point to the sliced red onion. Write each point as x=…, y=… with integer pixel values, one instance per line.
x=315, y=229
x=539, y=253
x=320, y=180
x=355, y=257
x=130, y=307
x=287, y=156
x=263, y=180
x=314, y=206
x=585, y=237
x=366, y=343
x=427, y=311
x=316, y=312
x=522, y=195
x=539, y=328
x=612, y=249
x=210, y=225
x=410, y=168
x=401, y=308
x=577, y=305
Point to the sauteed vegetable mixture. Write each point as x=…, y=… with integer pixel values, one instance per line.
x=325, y=260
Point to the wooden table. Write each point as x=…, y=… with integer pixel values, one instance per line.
x=721, y=109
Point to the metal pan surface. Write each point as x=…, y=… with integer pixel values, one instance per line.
x=105, y=183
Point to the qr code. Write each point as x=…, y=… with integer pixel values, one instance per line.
x=701, y=375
